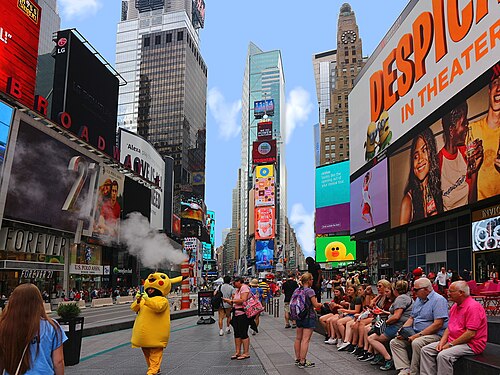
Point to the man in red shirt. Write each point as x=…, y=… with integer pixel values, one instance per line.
x=466, y=334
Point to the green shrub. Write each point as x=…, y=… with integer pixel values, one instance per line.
x=68, y=310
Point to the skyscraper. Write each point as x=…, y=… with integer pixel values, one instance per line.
x=50, y=23
x=164, y=100
x=263, y=79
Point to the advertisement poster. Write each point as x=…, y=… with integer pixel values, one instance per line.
x=264, y=253
x=265, y=130
x=332, y=219
x=332, y=184
x=264, y=152
x=262, y=171
x=264, y=223
x=454, y=162
x=486, y=234
x=430, y=54
x=369, y=199
x=176, y=225
x=263, y=107
x=335, y=249
x=109, y=205
x=205, y=303
x=19, y=33
x=264, y=191
x=50, y=183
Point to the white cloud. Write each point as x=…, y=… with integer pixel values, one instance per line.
x=303, y=223
x=226, y=114
x=298, y=108
x=79, y=8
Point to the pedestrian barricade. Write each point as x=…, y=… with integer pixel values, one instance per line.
x=124, y=299
x=98, y=302
x=47, y=308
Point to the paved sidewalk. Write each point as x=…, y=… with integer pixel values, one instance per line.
x=198, y=350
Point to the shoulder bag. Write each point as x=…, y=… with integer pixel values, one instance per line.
x=20, y=361
x=252, y=306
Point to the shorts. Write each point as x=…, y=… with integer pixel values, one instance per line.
x=391, y=331
x=240, y=325
x=306, y=323
x=225, y=313
x=286, y=307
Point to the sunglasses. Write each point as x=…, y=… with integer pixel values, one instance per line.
x=417, y=289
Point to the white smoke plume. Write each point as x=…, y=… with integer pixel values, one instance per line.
x=153, y=249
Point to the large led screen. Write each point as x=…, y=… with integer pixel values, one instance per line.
x=332, y=184
x=264, y=253
x=332, y=219
x=264, y=223
x=335, y=249
x=19, y=32
x=369, y=199
x=486, y=234
x=264, y=152
x=264, y=191
x=5, y=121
x=432, y=52
x=452, y=163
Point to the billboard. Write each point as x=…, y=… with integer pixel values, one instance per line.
x=87, y=91
x=486, y=229
x=369, y=199
x=332, y=184
x=19, y=33
x=264, y=253
x=137, y=198
x=332, y=219
x=263, y=107
x=137, y=154
x=264, y=152
x=264, y=223
x=176, y=225
x=335, y=249
x=265, y=130
x=431, y=53
x=51, y=182
x=451, y=163
x=263, y=171
x=264, y=191
x=6, y=113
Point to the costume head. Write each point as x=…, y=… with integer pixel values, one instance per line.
x=159, y=284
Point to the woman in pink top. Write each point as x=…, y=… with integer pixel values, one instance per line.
x=239, y=321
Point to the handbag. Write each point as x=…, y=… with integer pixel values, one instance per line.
x=217, y=299
x=379, y=325
x=20, y=361
x=252, y=306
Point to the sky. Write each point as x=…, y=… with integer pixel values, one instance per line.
x=299, y=30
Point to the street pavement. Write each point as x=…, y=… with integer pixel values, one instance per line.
x=198, y=350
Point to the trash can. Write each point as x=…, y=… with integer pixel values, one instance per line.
x=74, y=329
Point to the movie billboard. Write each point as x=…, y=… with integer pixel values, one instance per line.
x=264, y=253
x=335, y=249
x=263, y=171
x=87, y=90
x=264, y=223
x=369, y=199
x=264, y=191
x=139, y=155
x=263, y=107
x=264, y=152
x=332, y=184
x=430, y=53
x=51, y=182
x=19, y=33
x=265, y=130
x=332, y=219
x=452, y=163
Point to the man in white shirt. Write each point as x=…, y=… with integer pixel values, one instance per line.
x=441, y=280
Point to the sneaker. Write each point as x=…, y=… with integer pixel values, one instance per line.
x=297, y=362
x=377, y=360
x=221, y=333
x=294, y=326
x=354, y=348
x=331, y=341
x=388, y=365
x=288, y=326
x=343, y=346
x=368, y=357
x=306, y=364
x=359, y=352
x=228, y=330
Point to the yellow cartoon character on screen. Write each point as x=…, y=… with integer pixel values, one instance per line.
x=152, y=325
x=337, y=252
x=371, y=141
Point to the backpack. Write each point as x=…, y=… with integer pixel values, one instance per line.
x=217, y=299
x=299, y=306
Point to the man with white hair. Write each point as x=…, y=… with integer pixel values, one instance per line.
x=427, y=322
x=466, y=334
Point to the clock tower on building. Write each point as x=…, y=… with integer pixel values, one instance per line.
x=349, y=61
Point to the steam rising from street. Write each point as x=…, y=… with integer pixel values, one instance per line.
x=155, y=250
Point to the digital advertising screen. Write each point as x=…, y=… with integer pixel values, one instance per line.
x=430, y=53
x=264, y=152
x=264, y=253
x=369, y=199
x=136, y=198
x=262, y=107
x=264, y=223
x=264, y=171
x=332, y=219
x=264, y=192
x=335, y=249
x=19, y=34
x=265, y=130
x=486, y=234
x=6, y=113
x=332, y=184
x=451, y=163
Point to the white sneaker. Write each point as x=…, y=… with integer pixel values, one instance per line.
x=331, y=341
x=343, y=346
x=221, y=333
x=228, y=330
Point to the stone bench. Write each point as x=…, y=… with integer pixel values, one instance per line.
x=486, y=363
x=98, y=302
x=124, y=299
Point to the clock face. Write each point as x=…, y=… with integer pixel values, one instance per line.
x=348, y=36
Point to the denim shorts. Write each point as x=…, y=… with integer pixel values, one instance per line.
x=306, y=323
x=391, y=331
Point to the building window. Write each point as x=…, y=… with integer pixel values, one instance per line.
x=346, y=53
x=147, y=42
x=341, y=155
x=327, y=148
x=180, y=35
x=327, y=156
x=339, y=120
x=341, y=145
x=329, y=121
x=169, y=38
x=333, y=155
x=341, y=138
x=333, y=147
x=327, y=139
x=347, y=119
x=353, y=59
x=339, y=98
x=157, y=39
x=333, y=139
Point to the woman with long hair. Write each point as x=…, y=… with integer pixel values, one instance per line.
x=423, y=196
x=30, y=341
x=327, y=320
x=355, y=305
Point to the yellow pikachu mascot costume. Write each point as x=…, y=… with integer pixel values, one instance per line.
x=152, y=325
